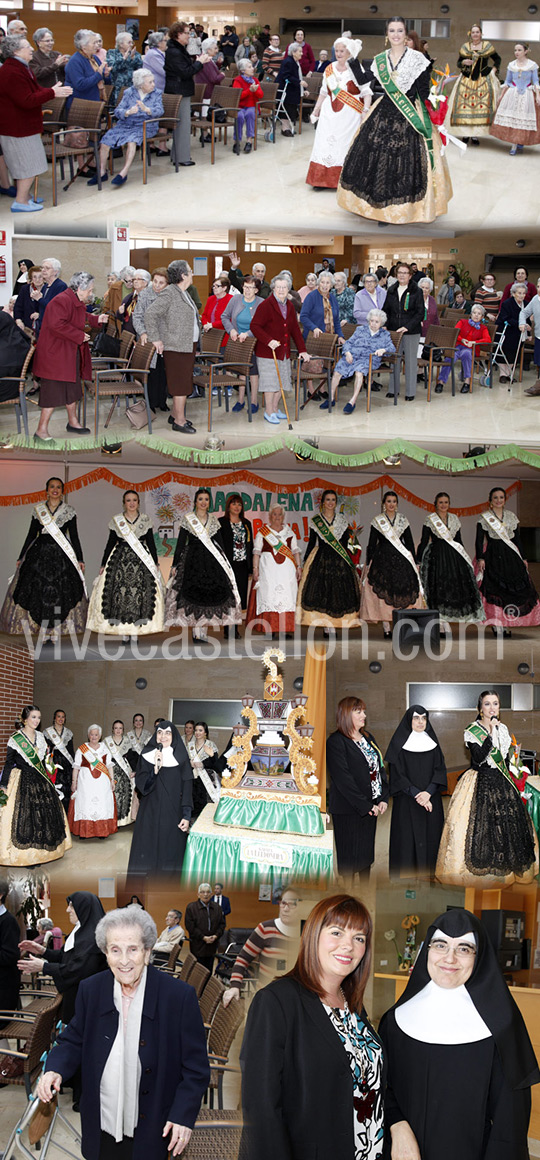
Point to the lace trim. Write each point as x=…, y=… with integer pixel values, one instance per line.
x=63, y=514
x=410, y=67
x=505, y=742
x=338, y=527
x=399, y=525
x=527, y=66
x=212, y=526
x=40, y=744
x=142, y=524
x=509, y=520
x=453, y=525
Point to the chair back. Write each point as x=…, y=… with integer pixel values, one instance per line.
x=18, y=380
x=187, y=967
x=454, y=313
x=239, y=352
x=442, y=336
x=85, y=115
x=211, y=341
x=227, y=97
x=198, y=94
x=322, y=347
x=53, y=114
x=228, y=80
x=225, y=1024
x=211, y=998
x=348, y=329
x=141, y=358
x=198, y=978
x=216, y=1133
x=314, y=83
x=127, y=340
x=171, y=962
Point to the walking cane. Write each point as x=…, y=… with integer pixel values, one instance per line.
x=282, y=391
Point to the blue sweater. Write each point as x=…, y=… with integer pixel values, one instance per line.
x=83, y=78
x=312, y=313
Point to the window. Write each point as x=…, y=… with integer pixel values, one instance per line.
x=511, y=30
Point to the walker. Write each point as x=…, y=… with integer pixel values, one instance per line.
x=486, y=378
x=16, y=1138
x=270, y=134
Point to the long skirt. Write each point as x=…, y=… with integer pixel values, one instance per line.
x=508, y=594
x=517, y=119
x=387, y=175
x=415, y=834
x=126, y=600
x=472, y=105
x=355, y=842
x=335, y=131
x=329, y=592
x=45, y=592
x=123, y=795
x=450, y=584
x=33, y=823
x=488, y=836
x=92, y=811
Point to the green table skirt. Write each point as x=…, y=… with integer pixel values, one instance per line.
x=244, y=858
x=276, y=817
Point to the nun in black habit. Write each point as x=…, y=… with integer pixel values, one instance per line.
x=164, y=781
x=80, y=956
x=460, y=1061
x=417, y=775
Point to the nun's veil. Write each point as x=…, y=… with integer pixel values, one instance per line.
x=178, y=747
x=404, y=731
x=489, y=993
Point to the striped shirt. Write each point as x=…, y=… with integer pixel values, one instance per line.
x=266, y=949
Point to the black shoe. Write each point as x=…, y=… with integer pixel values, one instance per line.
x=248, y=147
x=410, y=398
x=374, y=387
x=465, y=389
x=474, y=141
x=170, y=419
x=187, y=429
x=77, y=430
x=389, y=394
x=236, y=148
x=186, y=164
x=439, y=388
x=465, y=140
x=387, y=635
x=165, y=409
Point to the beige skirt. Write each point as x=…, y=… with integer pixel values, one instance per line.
x=451, y=867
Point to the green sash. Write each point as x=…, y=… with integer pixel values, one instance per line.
x=480, y=733
x=419, y=121
x=329, y=538
x=31, y=754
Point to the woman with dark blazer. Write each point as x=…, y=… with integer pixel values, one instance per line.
x=308, y=1024
x=358, y=787
x=138, y=1036
x=237, y=538
x=180, y=69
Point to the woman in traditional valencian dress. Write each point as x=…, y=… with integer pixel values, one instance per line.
x=276, y=573
x=118, y=748
x=33, y=824
x=517, y=119
x=48, y=590
x=137, y=737
x=488, y=833
x=329, y=592
x=446, y=570
x=60, y=741
x=508, y=594
x=92, y=810
x=391, y=577
x=203, y=754
x=394, y=171
x=417, y=777
x=202, y=589
x=473, y=100
x=344, y=94
x=127, y=598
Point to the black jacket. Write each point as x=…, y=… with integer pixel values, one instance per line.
x=289, y=1114
x=197, y=926
x=227, y=537
x=350, y=784
x=409, y=311
x=180, y=68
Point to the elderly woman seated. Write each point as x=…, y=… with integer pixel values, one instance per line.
x=472, y=333
x=371, y=340
x=138, y=1036
x=139, y=103
x=251, y=92
x=123, y=61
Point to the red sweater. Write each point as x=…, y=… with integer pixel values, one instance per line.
x=268, y=323
x=248, y=99
x=21, y=100
x=61, y=339
x=218, y=305
x=470, y=333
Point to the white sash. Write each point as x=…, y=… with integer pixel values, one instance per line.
x=384, y=526
x=118, y=757
x=50, y=525
x=53, y=736
x=126, y=532
x=444, y=532
x=200, y=531
x=498, y=527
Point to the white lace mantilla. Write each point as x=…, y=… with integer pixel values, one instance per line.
x=410, y=67
x=399, y=525
x=211, y=526
x=63, y=514
x=338, y=527
x=453, y=525
x=504, y=742
x=509, y=520
x=40, y=744
x=140, y=527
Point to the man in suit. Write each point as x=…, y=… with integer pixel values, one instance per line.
x=205, y=923
x=221, y=899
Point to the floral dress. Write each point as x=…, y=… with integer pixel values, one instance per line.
x=364, y=1053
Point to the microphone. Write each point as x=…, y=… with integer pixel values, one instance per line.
x=159, y=757
x=159, y=745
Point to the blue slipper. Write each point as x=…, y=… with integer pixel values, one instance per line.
x=93, y=180
x=238, y=407
x=118, y=180
x=254, y=408
x=281, y=414
x=349, y=408
x=271, y=418
x=10, y=191
x=25, y=207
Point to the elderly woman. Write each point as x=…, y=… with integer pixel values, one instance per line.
x=344, y=95
x=311, y=284
x=139, y=103
x=62, y=359
x=210, y=75
x=309, y=1022
x=372, y=295
x=251, y=92
x=291, y=85
x=99, y=50
x=26, y=301
x=123, y=61
x=533, y=309
x=180, y=70
x=92, y=810
x=21, y=120
x=49, y=934
x=46, y=64
x=112, y=298
x=472, y=333
x=373, y=340
x=345, y=297
x=244, y=50
x=274, y=324
x=172, y=324
x=276, y=573
x=431, y=314
x=139, y=282
x=85, y=72
x=138, y=1037
x=320, y=309
x=155, y=58
x=216, y=303
x=447, y=293
x=157, y=379
x=236, y=319
x=457, y=1018
x=509, y=316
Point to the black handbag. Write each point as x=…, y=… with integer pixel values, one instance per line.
x=107, y=345
x=220, y=114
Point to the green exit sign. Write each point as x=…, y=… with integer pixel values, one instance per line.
x=410, y=894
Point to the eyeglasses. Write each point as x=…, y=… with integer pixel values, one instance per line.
x=463, y=951
x=289, y=905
